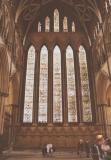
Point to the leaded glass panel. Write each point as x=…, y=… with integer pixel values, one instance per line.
x=73, y=27
x=39, y=27
x=86, y=101
x=57, y=88
x=47, y=24
x=65, y=24
x=43, y=85
x=29, y=85
x=71, y=89
x=56, y=20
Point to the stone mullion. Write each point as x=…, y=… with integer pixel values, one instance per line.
x=92, y=84
x=50, y=87
x=61, y=23
x=22, y=87
x=78, y=87
x=37, y=75
x=35, y=91
x=64, y=87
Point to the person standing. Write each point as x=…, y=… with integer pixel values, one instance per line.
x=80, y=147
x=87, y=148
x=96, y=151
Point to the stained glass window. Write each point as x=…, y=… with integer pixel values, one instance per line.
x=57, y=88
x=29, y=85
x=65, y=24
x=73, y=27
x=71, y=90
x=56, y=20
x=47, y=24
x=43, y=85
x=86, y=102
x=39, y=27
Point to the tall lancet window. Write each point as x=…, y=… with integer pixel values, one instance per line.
x=86, y=101
x=43, y=86
x=73, y=27
x=56, y=20
x=71, y=89
x=47, y=24
x=57, y=87
x=65, y=24
x=39, y=27
x=29, y=85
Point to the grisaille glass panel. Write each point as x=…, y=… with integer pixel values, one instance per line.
x=39, y=27
x=73, y=27
x=57, y=86
x=65, y=24
x=29, y=85
x=43, y=85
x=71, y=89
x=56, y=20
x=86, y=101
x=47, y=24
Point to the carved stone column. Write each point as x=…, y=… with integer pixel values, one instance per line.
x=50, y=86
x=78, y=88
x=64, y=87
x=2, y=110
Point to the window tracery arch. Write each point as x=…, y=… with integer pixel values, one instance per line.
x=85, y=89
x=29, y=86
x=65, y=24
x=47, y=24
x=43, y=85
x=56, y=20
x=71, y=87
x=57, y=85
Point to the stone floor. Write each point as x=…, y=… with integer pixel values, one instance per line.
x=33, y=155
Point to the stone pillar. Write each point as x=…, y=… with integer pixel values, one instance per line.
x=14, y=120
x=78, y=88
x=2, y=110
x=50, y=86
x=64, y=87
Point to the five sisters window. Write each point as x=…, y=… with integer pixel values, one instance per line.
x=57, y=86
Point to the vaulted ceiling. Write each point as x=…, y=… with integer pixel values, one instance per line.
x=24, y=12
x=86, y=11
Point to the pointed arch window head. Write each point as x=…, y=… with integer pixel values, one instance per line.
x=73, y=27
x=56, y=20
x=57, y=86
x=29, y=85
x=39, y=27
x=85, y=90
x=71, y=89
x=43, y=86
x=65, y=24
x=47, y=24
